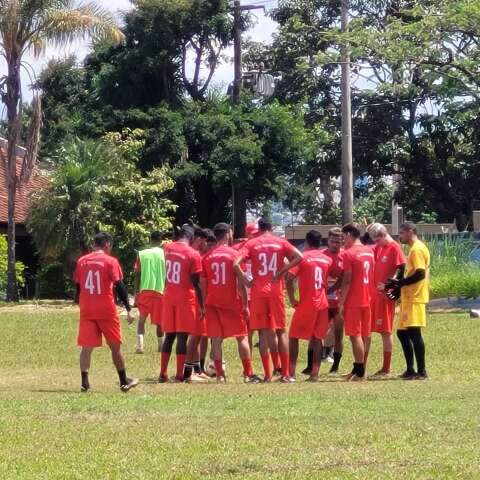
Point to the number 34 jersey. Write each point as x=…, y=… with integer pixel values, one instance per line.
x=267, y=254
x=312, y=276
x=181, y=262
x=360, y=261
x=220, y=277
x=96, y=273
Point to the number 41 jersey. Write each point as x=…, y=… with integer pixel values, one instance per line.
x=360, y=260
x=96, y=273
x=181, y=261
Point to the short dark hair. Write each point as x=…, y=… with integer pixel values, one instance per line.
x=265, y=225
x=156, y=236
x=210, y=235
x=186, y=232
x=102, y=238
x=335, y=232
x=352, y=230
x=200, y=233
x=220, y=230
x=409, y=226
x=314, y=238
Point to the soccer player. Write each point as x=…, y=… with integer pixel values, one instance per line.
x=96, y=275
x=389, y=260
x=182, y=292
x=267, y=306
x=310, y=320
x=226, y=303
x=355, y=299
x=414, y=288
x=149, y=284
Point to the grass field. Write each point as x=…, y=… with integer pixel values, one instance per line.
x=380, y=429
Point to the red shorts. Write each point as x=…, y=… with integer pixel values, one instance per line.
x=150, y=303
x=357, y=321
x=383, y=314
x=308, y=322
x=225, y=323
x=90, y=332
x=179, y=317
x=267, y=313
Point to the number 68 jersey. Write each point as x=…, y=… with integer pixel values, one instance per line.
x=96, y=273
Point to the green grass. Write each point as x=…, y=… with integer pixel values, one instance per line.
x=379, y=429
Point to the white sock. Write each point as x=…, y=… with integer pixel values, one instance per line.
x=140, y=341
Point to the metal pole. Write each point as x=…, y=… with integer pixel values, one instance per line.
x=347, y=163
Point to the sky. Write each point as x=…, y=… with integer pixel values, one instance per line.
x=262, y=32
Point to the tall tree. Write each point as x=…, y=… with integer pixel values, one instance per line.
x=32, y=24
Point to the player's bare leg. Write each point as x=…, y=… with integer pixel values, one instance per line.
x=308, y=369
x=165, y=356
x=293, y=347
x=264, y=339
x=141, y=334
x=192, y=359
x=217, y=358
x=282, y=340
x=203, y=352
x=329, y=344
x=159, y=338
x=85, y=362
x=275, y=354
x=387, y=340
x=317, y=346
x=358, y=348
x=125, y=383
x=245, y=355
x=367, y=341
x=181, y=353
x=338, y=348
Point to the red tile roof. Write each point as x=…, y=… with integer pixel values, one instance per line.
x=37, y=182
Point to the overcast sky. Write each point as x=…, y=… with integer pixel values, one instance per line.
x=262, y=32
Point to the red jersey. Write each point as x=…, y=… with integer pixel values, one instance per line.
x=312, y=275
x=221, y=279
x=267, y=254
x=336, y=271
x=359, y=260
x=96, y=273
x=181, y=262
x=387, y=261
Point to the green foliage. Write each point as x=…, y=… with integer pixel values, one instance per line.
x=19, y=266
x=53, y=282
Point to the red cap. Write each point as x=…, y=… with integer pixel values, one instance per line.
x=251, y=229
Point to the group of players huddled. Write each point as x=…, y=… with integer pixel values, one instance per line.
x=203, y=287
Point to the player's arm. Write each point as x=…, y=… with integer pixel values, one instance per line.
x=345, y=288
x=291, y=290
x=195, y=279
x=242, y=289
x=241, y=275
x=122, y=295
x=337, y=285
x=294, y=258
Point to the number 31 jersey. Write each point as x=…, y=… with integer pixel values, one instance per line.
x=181, y=262
x=96, y=273
x=359, y=260
x=220, y=277
x=267, y=254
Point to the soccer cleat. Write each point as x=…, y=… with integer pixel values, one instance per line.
x=267, y=379
x=163, y=379
x=287, y=380
x=306, y=371
x=196, y=379
x=221, y=379
x=348, y=376
x=329, y=359
x=356, y=378
x=176, y=379
x=421, y=376
x=131, y=383
x=139, y=350
x=380, y=374
x=408, y=375
x=203, y=375
x=312, y=379
x=252, y=379
x=85, y=388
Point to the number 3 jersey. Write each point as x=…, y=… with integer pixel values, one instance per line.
x=181, y=261
x=359, y=260
x=312, y=276
x=220, y=277
x=96, y=273
x=267, y=254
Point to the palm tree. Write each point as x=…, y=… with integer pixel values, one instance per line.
x=32, y=25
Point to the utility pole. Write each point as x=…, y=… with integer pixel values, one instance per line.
x=347, y=163
x=239, y=198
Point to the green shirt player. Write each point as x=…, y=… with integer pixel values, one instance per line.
x=150, y=274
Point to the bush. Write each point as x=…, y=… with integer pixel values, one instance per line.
x=20, y=267
x=53, y=283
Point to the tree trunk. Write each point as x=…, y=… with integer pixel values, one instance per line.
x=240, y=211
x=11, y=99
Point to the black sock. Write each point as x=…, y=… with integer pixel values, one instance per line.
x=85, y=382
x=309, y=359
x=360, y=370
x=329, y=351
x=415, y=334
x=122, y=375
x=337, y=356
x=355, y=369
x=202, y=364
x=406, y=343
x=197, y=367
x=187, y=371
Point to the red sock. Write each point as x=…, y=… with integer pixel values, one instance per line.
x=219, y=368
x=277, y=364
x=285, y=364
x=247, y=367
x=180, y=364
x=315, y=370
x=387, y=360
x=164, y=359
x=266, y=366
